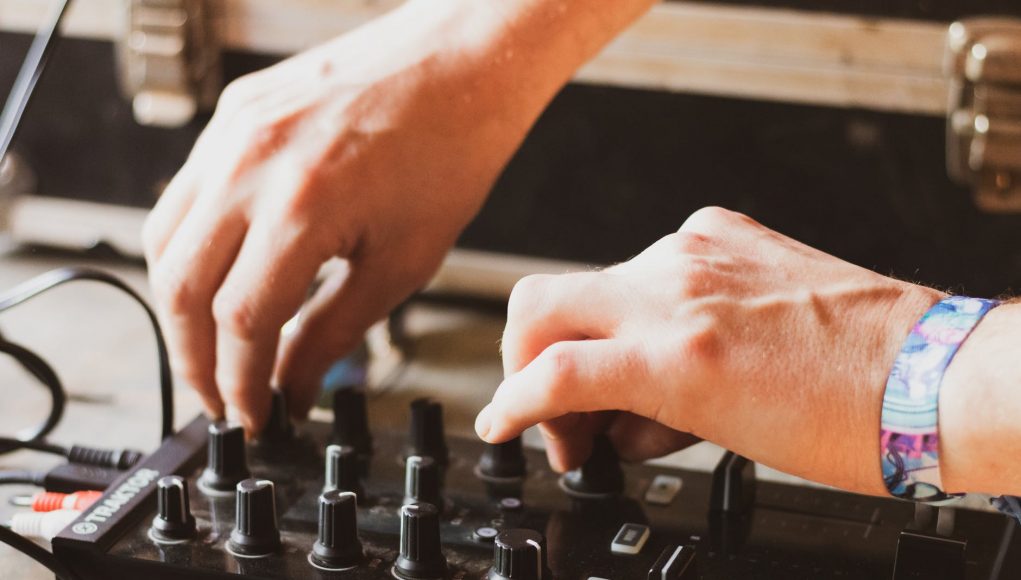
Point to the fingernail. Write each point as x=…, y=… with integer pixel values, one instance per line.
x=483, y=423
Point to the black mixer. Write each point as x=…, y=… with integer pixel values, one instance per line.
x=341, y=502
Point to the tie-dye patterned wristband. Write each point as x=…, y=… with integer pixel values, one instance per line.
x=909, y=435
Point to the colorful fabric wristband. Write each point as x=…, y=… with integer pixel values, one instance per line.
x=909, y=435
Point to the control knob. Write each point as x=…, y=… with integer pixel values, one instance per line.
x=421, y=556
x=255, y=519
x=422, y=482
x=600, y=476
x=351, y=420
x=427, y=438
x=342, y=471
x=226, y=462
x=337, y=545
x=519, y=555
x=278, y=427
x=174, y=521
x=502, y=461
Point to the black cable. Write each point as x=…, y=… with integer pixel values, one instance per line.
x=41, y=371
x=40, y=284
x=37, y=553
x=22, y=478
x=32, y=445
x=32, y=69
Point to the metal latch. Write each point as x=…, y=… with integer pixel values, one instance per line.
x=169, y=60
x=984, y=114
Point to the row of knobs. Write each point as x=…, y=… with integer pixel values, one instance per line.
x=517, y=554
x=337, y=545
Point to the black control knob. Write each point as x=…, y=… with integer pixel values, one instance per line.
x=173, y=521
x=255, y=520
x=342, y=471
x=421, y=553
x=278, y=428
x=422, y=482
x=351, y=420
x=519, y=555
x=226, y=462
x=427, y=438
x=600, y=476
x=337, y=545
x=503, y=461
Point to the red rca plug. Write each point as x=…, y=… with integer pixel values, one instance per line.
x=49, y=501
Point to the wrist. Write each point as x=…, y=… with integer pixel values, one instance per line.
x=895, y=322
x=980, y=409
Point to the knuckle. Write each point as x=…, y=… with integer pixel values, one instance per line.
x=173, y=290
x=561, y=367
x=708, y=220
x=695, y=278
x=528, y=294
x=234, y=315
x=704, y=346
x=235, y=94
x=688, y=242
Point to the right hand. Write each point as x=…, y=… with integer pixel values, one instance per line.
x=376, y=148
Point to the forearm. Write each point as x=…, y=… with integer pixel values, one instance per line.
x=980, y=408
x=502, y=59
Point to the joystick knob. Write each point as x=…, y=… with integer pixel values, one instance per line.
x=173, y=521
x=421, y=555
x=255, y=520
x=502, y=461
x=226, y=459
x=351, y=421
x=337, y=545
x=342, y=469
x=427, y=438
x=519, y=555
x=600, y=476
x=422, y=482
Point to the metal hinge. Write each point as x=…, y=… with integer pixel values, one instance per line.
x=169, y=60
x=984, y=114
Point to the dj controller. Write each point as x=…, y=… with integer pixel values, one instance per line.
x=342, y=501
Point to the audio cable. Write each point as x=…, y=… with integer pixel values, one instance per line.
x=50, y=280
x=34, y=439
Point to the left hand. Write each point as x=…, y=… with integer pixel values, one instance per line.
x=725, y=331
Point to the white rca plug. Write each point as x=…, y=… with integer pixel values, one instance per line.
x=42, y=525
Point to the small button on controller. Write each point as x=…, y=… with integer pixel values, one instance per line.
x=255, y=520
x=226, y=460
x=630, y=539
x=663, y=489
x=485, y=534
